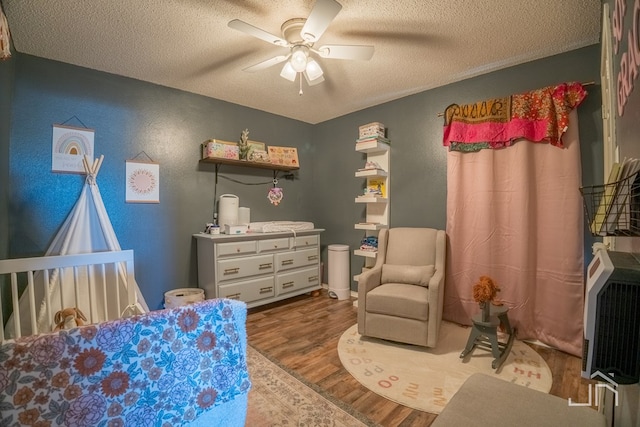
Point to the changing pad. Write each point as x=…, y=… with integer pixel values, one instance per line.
x=279, y=226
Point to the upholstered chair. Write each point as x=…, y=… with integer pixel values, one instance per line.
x=400, y=298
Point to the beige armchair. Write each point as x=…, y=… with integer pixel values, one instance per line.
x=401, y=297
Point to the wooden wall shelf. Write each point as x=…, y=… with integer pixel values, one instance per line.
x=248, y=164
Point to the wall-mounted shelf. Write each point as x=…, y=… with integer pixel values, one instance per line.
x=376, y=197
x=367, y=199
x=368, y=254
x=372, y=147
x=248, y=164
x=370, y=226
x=372, y=173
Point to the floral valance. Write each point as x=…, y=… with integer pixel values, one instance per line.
x=541, y=115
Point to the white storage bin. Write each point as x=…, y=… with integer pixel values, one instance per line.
x=182, y=296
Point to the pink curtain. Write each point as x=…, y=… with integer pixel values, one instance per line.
x=516, y=215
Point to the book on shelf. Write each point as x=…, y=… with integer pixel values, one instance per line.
x=376, y=187
x=376, y=138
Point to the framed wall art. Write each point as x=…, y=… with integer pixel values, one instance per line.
x=69, y=146
x=142, y=182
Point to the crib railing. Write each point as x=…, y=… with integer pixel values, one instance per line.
x=101, y=285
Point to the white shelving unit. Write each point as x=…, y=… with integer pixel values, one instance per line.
x=377, y=207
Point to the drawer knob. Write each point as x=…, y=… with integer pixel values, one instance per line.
x=313, y=278
x=287, y=261
x=233, y=296
x=232, y=270
x=312, y=257
x=265, y=290
x=264, y=266
x=287, y=285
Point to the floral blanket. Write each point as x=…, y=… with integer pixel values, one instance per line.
x=539, y=115
x=163, y=368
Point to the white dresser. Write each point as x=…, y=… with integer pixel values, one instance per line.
x=259, y=268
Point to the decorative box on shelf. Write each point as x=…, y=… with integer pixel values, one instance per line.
x=285, y=156
x=371, y=129
x=215, y=148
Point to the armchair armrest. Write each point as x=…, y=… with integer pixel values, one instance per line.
x=436, y=303
x=367, y=281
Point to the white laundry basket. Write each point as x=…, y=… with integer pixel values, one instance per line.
x=182, y=296
x=339, y=282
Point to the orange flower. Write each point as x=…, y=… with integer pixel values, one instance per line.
x=89, y=361
x=29, y=417
x=42, y=399
x=115, y=384
x=206, y=341
x=60, y=380
x=188, y=320
x=88, y=332
x=23, y=396
x=72, y=392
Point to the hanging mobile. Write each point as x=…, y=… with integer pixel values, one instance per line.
x=275, y=194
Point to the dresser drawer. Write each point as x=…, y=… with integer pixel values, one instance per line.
x=235, y=268
x=295, y=280
x=249, y=290
x=302, y=241
x=295, y=259
x=273, y=244
x=236, y=248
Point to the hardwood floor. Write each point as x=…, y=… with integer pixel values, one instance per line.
x=302, y=334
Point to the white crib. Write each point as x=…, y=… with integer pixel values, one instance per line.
x=101, y=284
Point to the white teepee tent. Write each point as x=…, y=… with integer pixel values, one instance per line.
x=87, y=229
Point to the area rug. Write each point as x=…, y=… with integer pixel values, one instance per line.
x=277, y=398
x=425, y=379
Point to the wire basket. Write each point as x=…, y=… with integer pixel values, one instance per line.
x=613, y=209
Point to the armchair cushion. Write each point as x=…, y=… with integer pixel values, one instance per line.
x=399, y=300
x=408, y=274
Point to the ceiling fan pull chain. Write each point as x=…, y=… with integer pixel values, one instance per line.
x=300, y=92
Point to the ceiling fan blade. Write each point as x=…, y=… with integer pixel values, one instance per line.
x=239, y=25
x=319, y=19
x=334, y=51
x=266, y=64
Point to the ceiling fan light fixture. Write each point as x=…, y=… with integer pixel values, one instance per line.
x=313, y=70
x=299, y=57
x=288, y=72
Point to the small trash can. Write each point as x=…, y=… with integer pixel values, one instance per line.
x=182, y=296
x=339, y=281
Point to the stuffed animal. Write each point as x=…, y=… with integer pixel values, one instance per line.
x=485, y=290
x=484, y=293
x=68, y=318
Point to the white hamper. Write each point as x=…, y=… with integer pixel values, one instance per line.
x=339, y=282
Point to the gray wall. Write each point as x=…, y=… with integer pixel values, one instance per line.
x=6, y=74
x=130, y=116
x=419, y=161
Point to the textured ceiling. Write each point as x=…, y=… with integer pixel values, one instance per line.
x=186, y=44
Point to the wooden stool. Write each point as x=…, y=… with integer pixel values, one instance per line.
x=484, y=335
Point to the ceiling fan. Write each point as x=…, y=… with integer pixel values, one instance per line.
x=299, y=35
